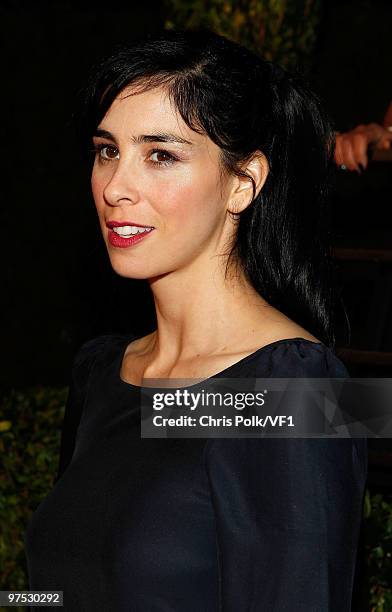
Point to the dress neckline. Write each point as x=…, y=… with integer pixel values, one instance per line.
x=264, y=348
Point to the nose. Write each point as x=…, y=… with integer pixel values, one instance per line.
x=121, y=188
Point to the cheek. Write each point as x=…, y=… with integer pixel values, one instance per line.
x=192, y=205
x=190, y=219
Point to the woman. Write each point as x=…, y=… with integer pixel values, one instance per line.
x=221, y=160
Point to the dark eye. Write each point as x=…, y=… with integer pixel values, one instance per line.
x=168, y=157
x=106, y=152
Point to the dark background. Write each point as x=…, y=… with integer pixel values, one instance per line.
x=58, y=286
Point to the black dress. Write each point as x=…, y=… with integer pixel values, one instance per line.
x=196, y=525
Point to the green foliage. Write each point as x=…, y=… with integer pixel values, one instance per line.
x=283, y=31
x=378, y=544
x=30, y=425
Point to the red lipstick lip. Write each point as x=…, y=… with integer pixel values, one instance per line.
x=112, y=224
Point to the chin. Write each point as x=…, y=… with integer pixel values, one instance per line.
x=127, y=270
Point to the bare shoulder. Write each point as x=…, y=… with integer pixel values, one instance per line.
x=135, y=359
x=137, y=365
x=139, y=346
x=293, y=331
x=281, y=327
x=278, y=328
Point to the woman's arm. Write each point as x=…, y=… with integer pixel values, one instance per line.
x=77, y=392
x=288, y=513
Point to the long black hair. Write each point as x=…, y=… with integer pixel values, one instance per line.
x=244, y=104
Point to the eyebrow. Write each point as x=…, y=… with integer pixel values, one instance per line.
x=157, y=137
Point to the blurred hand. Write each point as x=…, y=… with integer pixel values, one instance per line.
x=352, y=147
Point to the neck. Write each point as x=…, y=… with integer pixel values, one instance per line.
x=200, y=312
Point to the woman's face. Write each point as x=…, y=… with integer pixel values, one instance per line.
x=145, y=174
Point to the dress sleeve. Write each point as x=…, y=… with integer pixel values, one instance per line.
x=77, y=390
x=288, y=514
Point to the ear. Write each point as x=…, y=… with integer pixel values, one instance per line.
x=242, y=192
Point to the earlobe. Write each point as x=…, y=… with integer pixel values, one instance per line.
x=257, y=168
